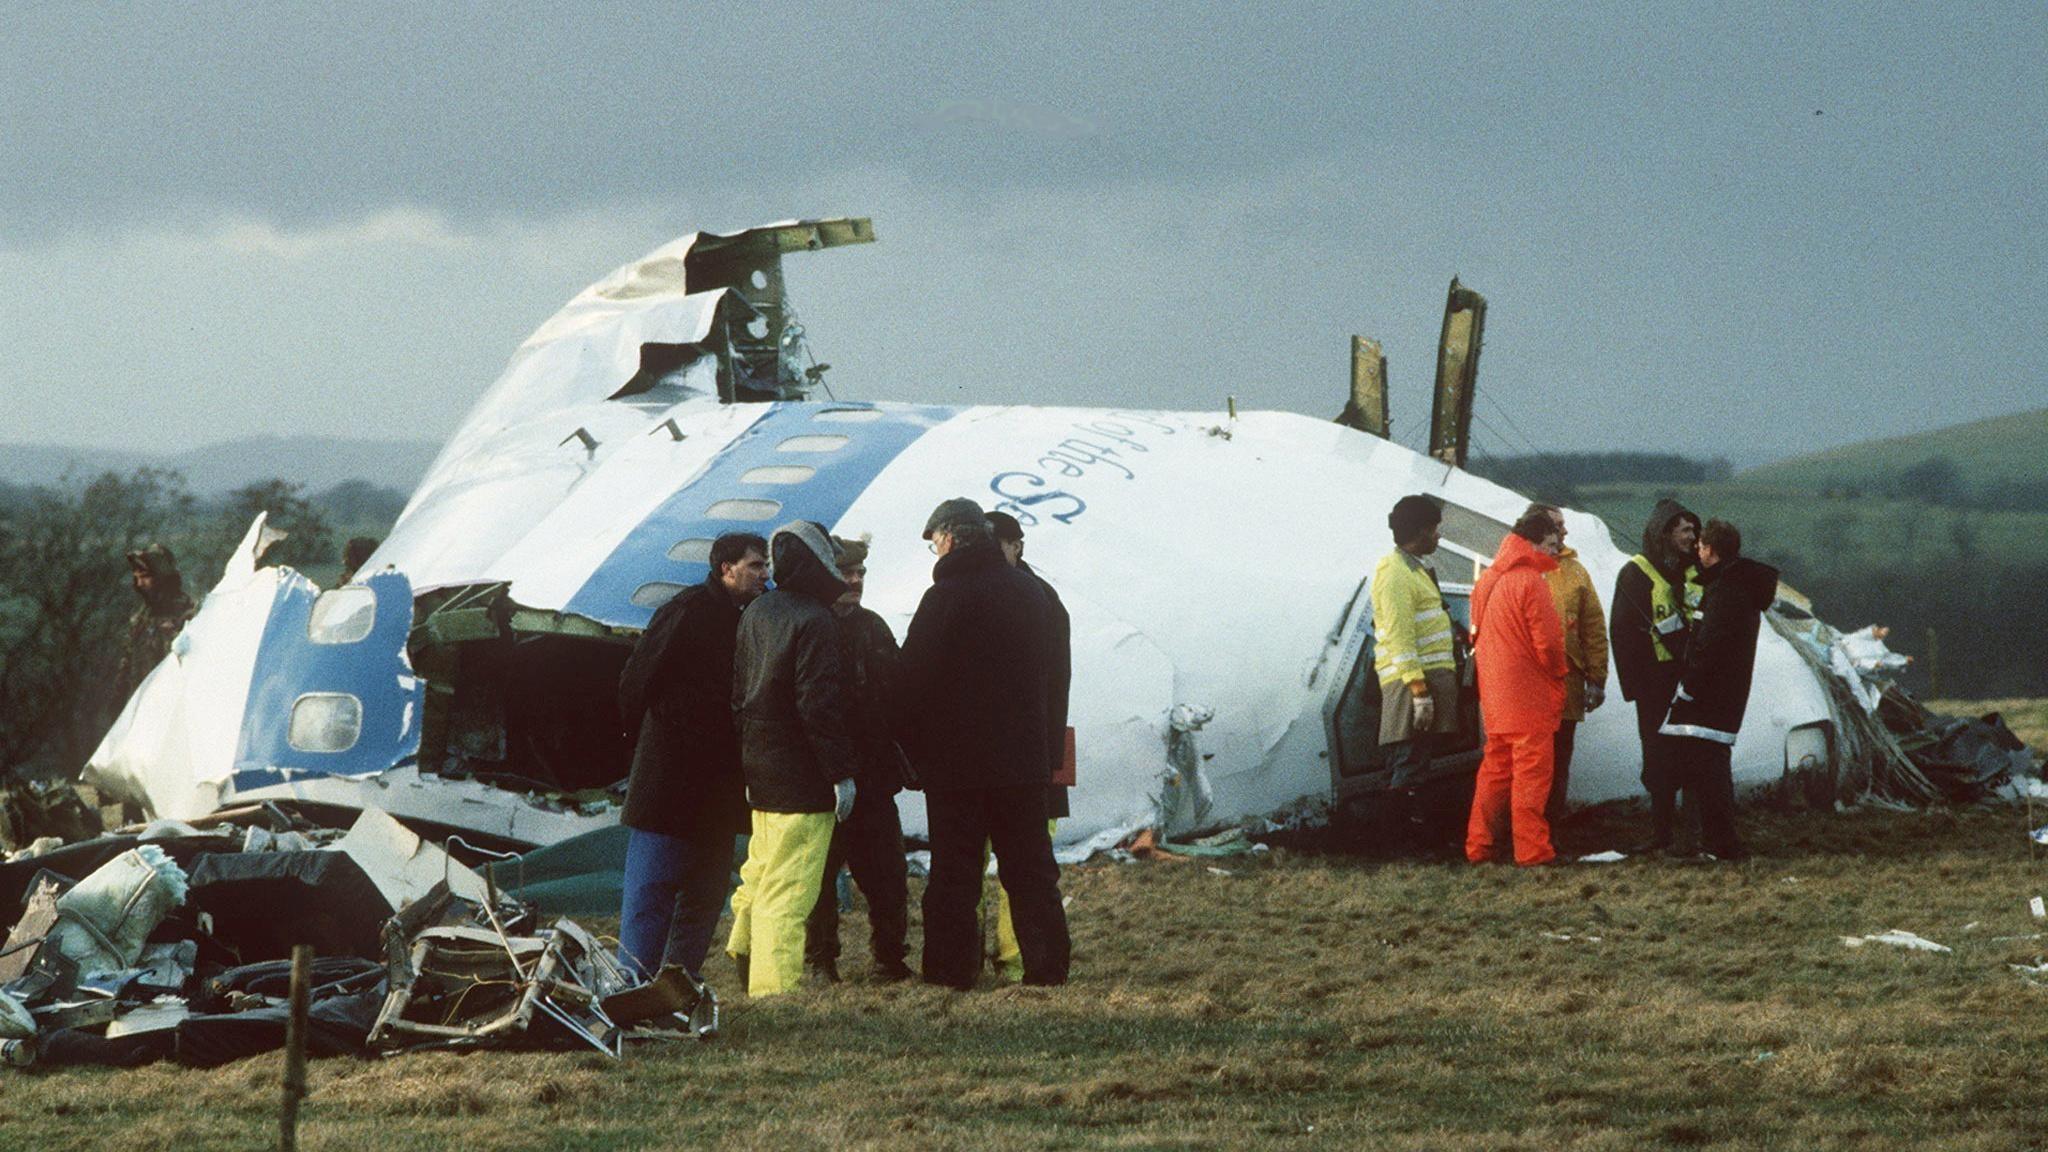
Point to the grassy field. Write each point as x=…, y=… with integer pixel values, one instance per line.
x=1298, y=1000
x=1983, y=452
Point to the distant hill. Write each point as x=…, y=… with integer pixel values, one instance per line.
x=1943, y=536
x=317, y=462
x=2000, y=462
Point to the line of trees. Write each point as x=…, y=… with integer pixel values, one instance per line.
x=1558, y=476
x=1990, y=621
x=1937, y=480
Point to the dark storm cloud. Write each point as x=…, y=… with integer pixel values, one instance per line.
x=1828, y=213
x=306, y=113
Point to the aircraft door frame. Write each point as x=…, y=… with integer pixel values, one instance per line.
x=1356, y=682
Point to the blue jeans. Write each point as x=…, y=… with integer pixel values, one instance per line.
x=675, y=888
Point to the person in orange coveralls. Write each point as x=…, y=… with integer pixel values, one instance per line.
x=1518, y=641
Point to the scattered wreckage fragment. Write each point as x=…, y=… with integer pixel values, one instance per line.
x=1881, y=741
x=174, y=949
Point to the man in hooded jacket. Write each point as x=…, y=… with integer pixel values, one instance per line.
x=686, y=799
x=870, y=842
x=975, y=675
x=1656, y=602
x=1518, y=642
x=156, y=622
x=1707, y=708
x=799, y=760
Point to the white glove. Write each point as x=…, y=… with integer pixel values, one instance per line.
x=1596, y=695
x=1425, y=712
x=843, y=800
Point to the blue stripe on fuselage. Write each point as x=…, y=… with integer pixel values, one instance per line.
x=842, y=475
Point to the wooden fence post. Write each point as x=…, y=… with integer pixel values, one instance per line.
x=295, y=1048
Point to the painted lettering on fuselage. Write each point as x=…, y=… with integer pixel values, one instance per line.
x=1100, y=449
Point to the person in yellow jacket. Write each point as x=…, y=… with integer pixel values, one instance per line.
x=1412, y=640
x=1585, y=652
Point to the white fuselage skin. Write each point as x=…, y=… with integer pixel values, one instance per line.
x=1212, y=565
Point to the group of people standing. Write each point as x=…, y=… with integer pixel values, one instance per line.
x=767, y=701
x=1683, y=634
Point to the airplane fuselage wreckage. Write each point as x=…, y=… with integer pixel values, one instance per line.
x=1214, y=564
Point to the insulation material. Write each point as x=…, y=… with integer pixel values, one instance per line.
x=103, y=921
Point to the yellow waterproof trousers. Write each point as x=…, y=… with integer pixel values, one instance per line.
x=1009, y=957
x=778, y=887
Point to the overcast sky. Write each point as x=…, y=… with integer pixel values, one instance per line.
x=1751, y=233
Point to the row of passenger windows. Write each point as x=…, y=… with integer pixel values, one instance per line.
x=756, y=509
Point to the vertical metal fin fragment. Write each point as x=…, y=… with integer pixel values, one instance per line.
x=1367, y=408
x=1457, y=374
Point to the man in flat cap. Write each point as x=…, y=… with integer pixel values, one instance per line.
x=975, y=673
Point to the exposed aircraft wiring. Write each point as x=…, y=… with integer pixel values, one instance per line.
x=1407, y=434
x=795, y=338
x=1508, y=417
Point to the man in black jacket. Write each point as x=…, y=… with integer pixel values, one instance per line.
x=1707, y=709
x=799, y=760
x=870, y=843
x=975, y=670
x=1656, y=602
x=1059, y=676
x=686, y=799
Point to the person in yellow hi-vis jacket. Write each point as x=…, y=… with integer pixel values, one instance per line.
x=1412, y=643
x=797, y=754
x=1009, y=957
x=1656, y=606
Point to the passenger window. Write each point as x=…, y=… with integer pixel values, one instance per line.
x=655, y=593
x=325, y=722
x=743, y=510
x=812, y=444
x=1459, y=605
x=695, y=550
x=1453, y=568
x=778, y=474
x=342, y=615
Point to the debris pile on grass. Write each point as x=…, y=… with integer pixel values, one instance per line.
x=1891, y=745
x=172, y=942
